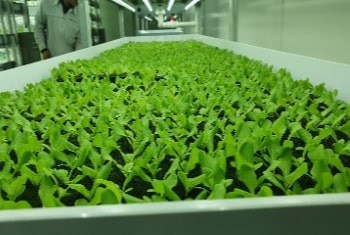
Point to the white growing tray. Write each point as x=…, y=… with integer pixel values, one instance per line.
x=303, y=214
x=334, y=75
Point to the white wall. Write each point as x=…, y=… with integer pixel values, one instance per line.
x=217, y=20
x=320, y=28
x=193, y=14
x=110, y=19
x=190, y=15
x=260, y=23
x=316, y=28
x=129, y=23
x=117, y=21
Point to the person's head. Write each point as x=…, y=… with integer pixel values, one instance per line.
x=71, y=3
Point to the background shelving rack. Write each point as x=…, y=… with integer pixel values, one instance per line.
x=97, y=31
x=10, y=57
x=17, y=44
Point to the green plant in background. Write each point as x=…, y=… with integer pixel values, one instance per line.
x=147, y=122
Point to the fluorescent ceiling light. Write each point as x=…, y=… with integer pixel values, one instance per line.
x=148, y=5
x=148, y=18
x=191, y=4
x=124, y=4
x=170, y=4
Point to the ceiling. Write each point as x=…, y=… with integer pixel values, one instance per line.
x=178, y=7
x=136, y=2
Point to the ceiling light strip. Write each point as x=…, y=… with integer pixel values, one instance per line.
x=191, y=4
x=170, y=5
x=148, y=18
x=148, y=5
x=124, y=4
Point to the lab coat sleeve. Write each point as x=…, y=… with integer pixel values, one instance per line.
x=40, y=28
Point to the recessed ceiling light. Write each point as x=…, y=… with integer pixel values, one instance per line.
x=191, y=4
x=124, y=4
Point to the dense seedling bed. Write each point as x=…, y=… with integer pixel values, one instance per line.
x=169, y=121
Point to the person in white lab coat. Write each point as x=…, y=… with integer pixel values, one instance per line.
x=57, y=27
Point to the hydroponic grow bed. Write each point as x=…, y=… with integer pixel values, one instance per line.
x=217, y=211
